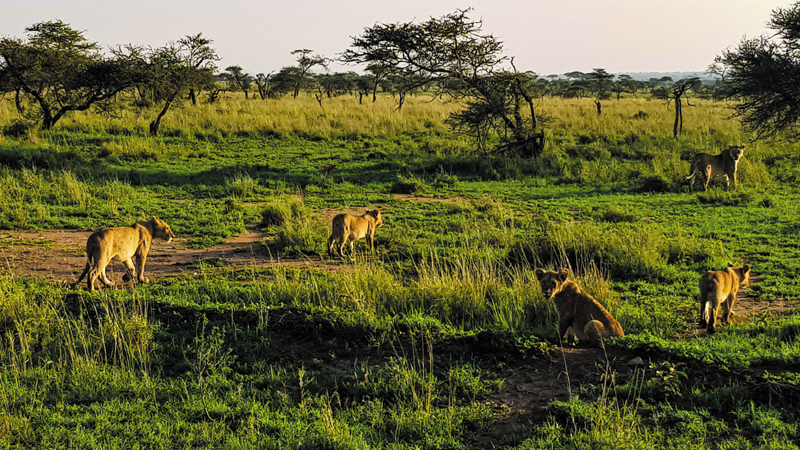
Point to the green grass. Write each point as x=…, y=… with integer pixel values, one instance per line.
x=405, y=349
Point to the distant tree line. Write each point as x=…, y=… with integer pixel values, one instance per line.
x=57, y=70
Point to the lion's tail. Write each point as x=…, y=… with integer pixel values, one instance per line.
x=694, y=170
x=86, y=270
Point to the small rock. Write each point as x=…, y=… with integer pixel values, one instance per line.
x=636, y=362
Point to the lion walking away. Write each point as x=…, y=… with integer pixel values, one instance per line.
x=127, y=244
x=347, y=227
x=708, y=166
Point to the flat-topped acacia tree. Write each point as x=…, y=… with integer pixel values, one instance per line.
x=57, y=70
x=453, y=57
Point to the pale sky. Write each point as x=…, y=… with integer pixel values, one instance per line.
x=545, y=36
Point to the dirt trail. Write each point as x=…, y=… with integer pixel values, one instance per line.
x=59, y=255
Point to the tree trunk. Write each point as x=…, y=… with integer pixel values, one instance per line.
x=48, y=123
x=677, y=128
x=156, y=124
x=193, y=97
x=599, y=107
x=18, y=101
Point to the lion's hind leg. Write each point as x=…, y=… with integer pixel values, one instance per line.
x=595, y=332
x=130, y=275
x=704, y=311
x=331, y=242
x=707, y=175
x=713, y=299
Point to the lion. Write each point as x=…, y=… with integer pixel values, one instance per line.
x=718, y=288
x=725, y=164
x=122, y=244
x=579, y=314
x=349, y=227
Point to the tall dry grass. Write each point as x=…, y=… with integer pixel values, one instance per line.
x=303, y=116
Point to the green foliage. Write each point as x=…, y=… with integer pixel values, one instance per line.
x=410, y=348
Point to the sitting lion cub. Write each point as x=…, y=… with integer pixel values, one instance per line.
x=122, y=244
x=718, y=288
x=349, y=227
x=725, y=165
x=579, y=314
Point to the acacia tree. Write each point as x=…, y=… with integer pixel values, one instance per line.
x=463, y=62
x=59, y=71
x=162, y=74
x=599, y=81
x=199, y=55
x=763, y=74
x=678, y=92
x=240, y=79
x=262, y=84
x=305, y=61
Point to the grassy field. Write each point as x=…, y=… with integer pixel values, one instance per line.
x=431, y=342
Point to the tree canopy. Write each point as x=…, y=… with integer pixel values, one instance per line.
x=458, y=59
x=764, y=73
x=60, y=71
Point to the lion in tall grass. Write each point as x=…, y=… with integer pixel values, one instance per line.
x=708, y=166
x=127, y=244
x=347, y=227
x=579, y=314
x=718, y=289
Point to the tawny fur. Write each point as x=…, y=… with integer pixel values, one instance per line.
x=708, y=166
x=347, y=227
x=127, y=244
x=579, y=314
x=718, y=289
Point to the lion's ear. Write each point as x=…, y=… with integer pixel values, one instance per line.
x=746, y=268
x=539, y=273
x=730, y=265
x=563, y=274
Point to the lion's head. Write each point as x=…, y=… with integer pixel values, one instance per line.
x=378, y=217
x=551, y=281
x=743, y=272
x=161, y=230
x=736, y=152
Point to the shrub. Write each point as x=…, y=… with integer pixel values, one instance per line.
x=408, y=185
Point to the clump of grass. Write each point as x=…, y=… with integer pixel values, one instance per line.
x=626, y=251
x=284, y=210
x=297, y=231
x=76, y=191
x=716, y=196
x=655, y=183
x=616, y=214
x=408, y=185
x=241, y=186
x=133, y=149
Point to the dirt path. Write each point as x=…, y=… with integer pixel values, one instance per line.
x=59, y=255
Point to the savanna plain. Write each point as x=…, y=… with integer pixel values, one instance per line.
x=442, y=338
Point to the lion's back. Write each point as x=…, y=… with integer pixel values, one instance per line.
x=357, y=226
x=119, y=242
x=717, y=282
